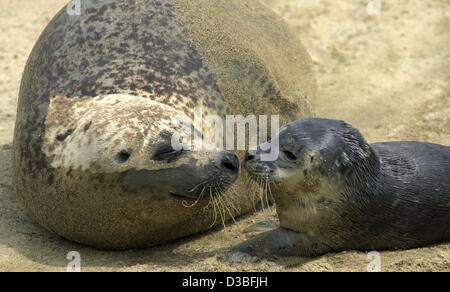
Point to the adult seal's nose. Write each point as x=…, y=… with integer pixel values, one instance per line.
x=230, y=162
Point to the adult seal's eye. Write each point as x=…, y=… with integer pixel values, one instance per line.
x=290, y=155
x=123, y=156
x=167, y=153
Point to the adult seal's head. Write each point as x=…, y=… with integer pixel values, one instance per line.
x=335, y=192
x=94, y=157
x=139, y=139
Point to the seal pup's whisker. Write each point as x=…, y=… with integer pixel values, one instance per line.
x=270, y=190
x=265, y=193
x=335, y=192
x=261, y=192
x=258, y=192
x=252, y=187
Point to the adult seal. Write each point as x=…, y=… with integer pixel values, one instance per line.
x=93, y=154
x=335, y=192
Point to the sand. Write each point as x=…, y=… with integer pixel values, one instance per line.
x=388, y=75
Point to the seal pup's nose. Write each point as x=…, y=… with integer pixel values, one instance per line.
x=230, y=162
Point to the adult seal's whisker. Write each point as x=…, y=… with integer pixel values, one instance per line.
x=100, y=109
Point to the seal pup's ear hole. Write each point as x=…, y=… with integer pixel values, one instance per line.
x=343, y=163
x=123, y=156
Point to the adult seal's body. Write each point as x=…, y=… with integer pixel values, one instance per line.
x=93, y=155
x=335, y=192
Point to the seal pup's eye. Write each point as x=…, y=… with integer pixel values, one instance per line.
x=290, y=155
x=165, y=152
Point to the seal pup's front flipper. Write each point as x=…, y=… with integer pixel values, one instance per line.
x=278, y=242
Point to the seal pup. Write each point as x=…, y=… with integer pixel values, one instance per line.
x=335, y=192
x=93, y=160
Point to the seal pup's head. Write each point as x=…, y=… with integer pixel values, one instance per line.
x=131, y=138
x=317, y=159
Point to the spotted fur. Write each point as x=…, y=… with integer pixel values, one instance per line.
x=97, y=85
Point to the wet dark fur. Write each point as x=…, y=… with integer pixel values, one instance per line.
x=389, y=196
x=400, y=199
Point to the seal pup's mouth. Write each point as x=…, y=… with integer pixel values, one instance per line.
x=263, y=173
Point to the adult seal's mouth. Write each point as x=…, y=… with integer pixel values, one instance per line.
x=187, y=182
x=182, y=197
x=98, y=107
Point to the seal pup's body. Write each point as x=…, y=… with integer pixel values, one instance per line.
x=335, y=192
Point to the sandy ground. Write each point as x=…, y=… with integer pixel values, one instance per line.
x=388, y=75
